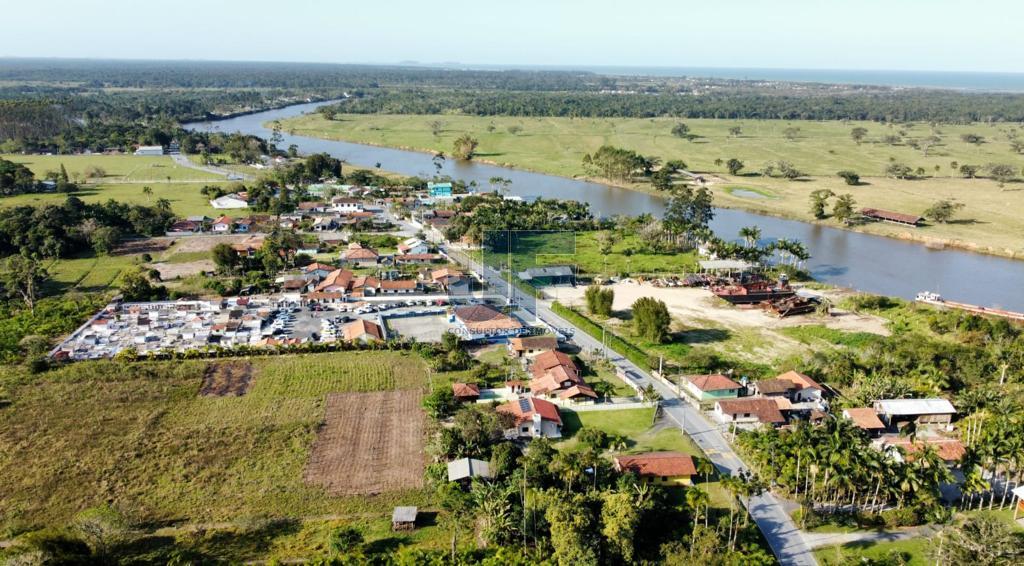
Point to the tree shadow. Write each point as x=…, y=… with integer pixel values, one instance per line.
x=387, y=545
x=966, y=221
x=702, y=336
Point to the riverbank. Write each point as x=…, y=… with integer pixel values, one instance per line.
x=555, y=146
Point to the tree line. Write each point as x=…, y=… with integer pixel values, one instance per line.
x=920, y=105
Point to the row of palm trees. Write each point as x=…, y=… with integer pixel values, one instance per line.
x=994, y=460
x=834, y=467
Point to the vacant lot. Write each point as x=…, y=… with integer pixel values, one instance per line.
x=420, y=328
x=820, y=149
x=701, y=319
x=139, y=436
x=369, y=443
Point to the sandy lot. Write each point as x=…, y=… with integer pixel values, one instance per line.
x=694, y=306
x=369, y=443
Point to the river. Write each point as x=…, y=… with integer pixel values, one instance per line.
x=858, y=261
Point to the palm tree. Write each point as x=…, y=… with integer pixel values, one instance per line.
x=697, y=500
x=751, y=235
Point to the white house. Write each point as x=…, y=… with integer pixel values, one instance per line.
x=222, y=225
x=413, y=246
x=346, y=205
x=230, y=201
x=150, y=150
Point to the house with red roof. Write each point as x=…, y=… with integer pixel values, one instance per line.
x=466, y=392
x=749, y=412
x=222, y=225
x=359, y=256
x=533, y=418
x=364, y=331
x=710, y=388
x=337, y=281
x=662, y=468
x=484, y=322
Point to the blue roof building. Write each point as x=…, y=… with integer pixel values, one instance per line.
x=439, y=190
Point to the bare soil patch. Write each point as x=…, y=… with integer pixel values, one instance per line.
x=227, y=379
x=369, y=443
x=143, y=246
x=206, y=242
x=171, y=271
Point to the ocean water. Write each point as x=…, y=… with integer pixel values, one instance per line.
x=956, y=80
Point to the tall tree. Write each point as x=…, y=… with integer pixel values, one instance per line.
x=651, y=319
x=23, y=277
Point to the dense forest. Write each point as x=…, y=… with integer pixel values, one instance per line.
x=920, y=105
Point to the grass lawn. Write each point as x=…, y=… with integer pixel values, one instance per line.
x=118, y=168
x=912, y=551
x=816, y=333
x=582, y=249
x=165, y=455
x=89, y=274
x=557, y=146
x=185, y=198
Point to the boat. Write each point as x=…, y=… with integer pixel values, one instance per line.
x=791, y=306
x=937, y=300
x=753, y=293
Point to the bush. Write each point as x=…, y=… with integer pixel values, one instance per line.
x=651, y=319
x=901, y=517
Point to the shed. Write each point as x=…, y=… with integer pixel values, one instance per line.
x=403, y=519
x=890, y=216
x=466, y=468
x=725, y=265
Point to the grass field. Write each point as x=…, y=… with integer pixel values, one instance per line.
x=167, y=456
x=118, y=168
x=185, y=198
x=582, y=250
x=911, y=552
x=89, y=274
x=557, y=145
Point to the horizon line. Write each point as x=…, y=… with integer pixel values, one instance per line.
x=505, y=66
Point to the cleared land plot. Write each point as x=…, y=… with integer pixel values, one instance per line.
x=422, y=328
x=702, y=320
x=138, y=435
x=227, y=378
x=369, y=443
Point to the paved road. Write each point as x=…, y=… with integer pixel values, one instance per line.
x=782, y=534
x=184, y=161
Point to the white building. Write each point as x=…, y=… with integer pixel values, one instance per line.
x=150, y=150
x=229, y=201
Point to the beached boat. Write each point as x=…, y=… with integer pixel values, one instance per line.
x=935, y=299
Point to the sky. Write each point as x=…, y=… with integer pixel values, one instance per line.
x=934, y=35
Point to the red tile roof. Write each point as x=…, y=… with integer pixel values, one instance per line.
x=657, y=464
x=949, y=449
x=864, y=417
x=465, y=390
x=337, y=279
x=398, y=284
x=800, y=380
x=533, y=343
x=483, y=318
x=547, y=411
x=360, y=253
x=891, y=216
x=578, y=391
x=766, y=410
x=359, y=327
x=713, y=382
